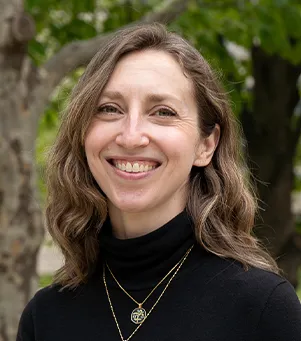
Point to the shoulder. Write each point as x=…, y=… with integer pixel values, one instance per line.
x=26, y=328
x=257, y=284
x=280, y=313
x=262, y=287
x=254, y=279
x=232, y=274
x=228, y=272
x=251, y=287
x=41, y=309
x=55, y=295
x=51, y=293
x=261, y=296
x=47, y=296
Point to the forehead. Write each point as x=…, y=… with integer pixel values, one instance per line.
x=150, y=71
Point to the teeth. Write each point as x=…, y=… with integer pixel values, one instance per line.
x=129, y=167
x=133, y=168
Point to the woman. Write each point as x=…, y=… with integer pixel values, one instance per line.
x=150, y=203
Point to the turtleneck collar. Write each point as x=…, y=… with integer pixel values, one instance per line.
x=142, y=261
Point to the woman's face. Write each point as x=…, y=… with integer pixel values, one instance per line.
x=144, y=139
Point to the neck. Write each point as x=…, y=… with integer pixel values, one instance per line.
x=127, y=225
x=145, y=260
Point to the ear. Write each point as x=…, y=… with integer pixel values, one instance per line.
x=206, y=148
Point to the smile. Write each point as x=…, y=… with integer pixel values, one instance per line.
x=134, y=166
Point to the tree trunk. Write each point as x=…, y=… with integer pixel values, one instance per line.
x=271, y=135
x=24, y=94
x=21, y=228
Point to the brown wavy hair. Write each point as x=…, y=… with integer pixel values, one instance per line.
x=221, y=201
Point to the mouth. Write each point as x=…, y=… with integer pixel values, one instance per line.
x=136, y=166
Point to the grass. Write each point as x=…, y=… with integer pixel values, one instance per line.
x=45, y=280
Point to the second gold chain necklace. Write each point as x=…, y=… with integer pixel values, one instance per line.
x=139, y=314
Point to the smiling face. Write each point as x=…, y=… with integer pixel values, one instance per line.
x=144, y=138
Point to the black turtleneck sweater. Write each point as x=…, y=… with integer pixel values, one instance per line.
x=209, y=299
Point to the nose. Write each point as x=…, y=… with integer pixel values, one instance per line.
x=133, y=133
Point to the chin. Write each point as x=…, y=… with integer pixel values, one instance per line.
x=132, y=206
x=131, y=201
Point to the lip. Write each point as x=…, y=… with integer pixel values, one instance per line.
x=132, y=176
x=133, y=158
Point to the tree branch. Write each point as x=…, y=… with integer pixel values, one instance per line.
x=77, y=54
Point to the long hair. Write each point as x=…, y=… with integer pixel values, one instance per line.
x=221, y=201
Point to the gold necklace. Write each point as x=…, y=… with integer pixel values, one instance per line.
x=176, y=267
x=139, y=314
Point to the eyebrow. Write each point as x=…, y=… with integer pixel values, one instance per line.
x=152, y=97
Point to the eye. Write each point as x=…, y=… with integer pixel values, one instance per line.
x=164, y=112
x=108, y=109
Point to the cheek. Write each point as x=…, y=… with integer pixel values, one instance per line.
x=179, y=146
x=89, y=150
x=180, y=160
x=95, y=140
x=90, y=138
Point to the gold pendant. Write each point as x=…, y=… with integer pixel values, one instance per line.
x=138, y=315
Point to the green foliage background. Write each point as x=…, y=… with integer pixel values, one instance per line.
x=212, y=26
x=209, y=25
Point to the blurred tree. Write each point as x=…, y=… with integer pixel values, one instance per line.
x=262, y=71
x=29, y=74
